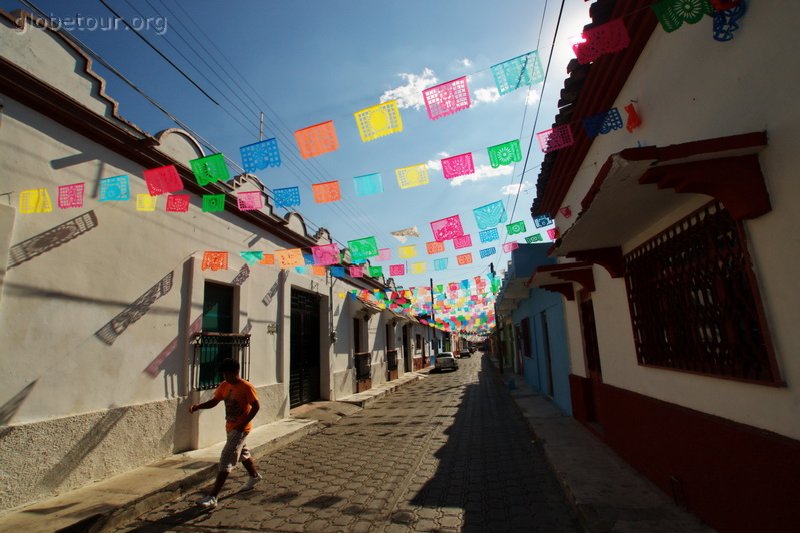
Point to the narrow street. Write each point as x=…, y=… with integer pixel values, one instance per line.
x=449, y=453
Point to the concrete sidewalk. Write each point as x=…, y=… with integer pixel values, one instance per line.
x=103, y=505
x=607, y=493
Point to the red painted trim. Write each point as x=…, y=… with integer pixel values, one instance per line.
x=735, y=477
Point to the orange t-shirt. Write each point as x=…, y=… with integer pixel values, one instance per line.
x=238, y=399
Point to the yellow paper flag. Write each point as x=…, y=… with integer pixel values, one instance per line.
x=406, y=252
x=35, y=201
x=145, y=202
x=378, y=120
x=412, y=176
x=418, y=268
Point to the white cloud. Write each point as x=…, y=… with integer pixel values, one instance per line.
x=465, y=62
x=514, y=188
x=482, y=172
x=436, y=164
x=486, y=95
x=410, y=94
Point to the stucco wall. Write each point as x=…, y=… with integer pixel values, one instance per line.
x=689, y=87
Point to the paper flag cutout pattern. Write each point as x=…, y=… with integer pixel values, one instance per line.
x=602, y=123
x=434, y=247
x=145, y=202
x=490, y=215
x=260, y=155
x=464, y=259
x=378, y=120
x=542, y=221
x=447, y=228
x=412, y=176
x=726, y=19
x=252, y=257
x=326, y=192
x=384, y=254
x=486, y=252
x=327, y=254
x=249, y=200
x=565, y=211
x=555, y=139
x=458, y=165
x=634, y=120
x=162, y=179
x=462, y=241
x=356, y=271
x=287, y=196
x=401, y=234
x=210, y=169
x=522, y=70
x=178, y=203
x=440, y=264
x=368, y=184
x=604, y=39
x=114, y=189
x=505, y=153
x=337, y=271
x=553, y=233
x=35, y=201
x=673, y=13
x=213, y=203
x=375, y=271
x=407, y=252
x=509, y=246
x=317, y=139
x=214, y=261
x=447, y=98
x=268, y=259
x=363, y=248
x=70, y=196
x=489, y=235
x=419, y=267
x=290, y=258
x=534, y=238
x=516, y=227
x=397, y=270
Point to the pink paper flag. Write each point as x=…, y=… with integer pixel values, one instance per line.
x=384, y=254
x=509, y=246
x=464, y=241
x=447, y=98
x=397, y=270
x=162, y=179
x=447, y=228
x=566, y=211
x=178, y=203
x=458, y=165
x=604, y=39
x=553, y=233
x=70, y=196
x=356, y=271
x=249, y=200
x=324, y=255
x=555, y=139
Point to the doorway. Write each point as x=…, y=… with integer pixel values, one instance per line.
x=304, y=358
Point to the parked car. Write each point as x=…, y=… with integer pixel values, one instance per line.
x=465, y=353
x=446, y=360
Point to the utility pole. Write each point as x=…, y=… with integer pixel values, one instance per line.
x=433, y=324
x=260, y=126
x=498, y=326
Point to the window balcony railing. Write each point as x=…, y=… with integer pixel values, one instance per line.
x=209, y=351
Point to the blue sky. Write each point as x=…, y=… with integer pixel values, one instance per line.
x=303, y=62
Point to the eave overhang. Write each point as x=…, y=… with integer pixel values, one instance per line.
x=560, y=278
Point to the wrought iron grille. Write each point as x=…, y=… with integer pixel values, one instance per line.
x=391, y=359
x=694, y=300
x=209, y=351
x=362, y=361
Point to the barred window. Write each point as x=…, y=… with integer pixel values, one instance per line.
x=694, y=301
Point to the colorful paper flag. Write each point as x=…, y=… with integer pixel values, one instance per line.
x=412, y=176
x=464, y=259
x=565, y=211
x=210, y=169
x=378, y=120
x=434, y=247
x=486, y=252
x=447, y=228
x=555, y=138
x=418, y=267
x=440, y=264
x=634, y=120
x=287, y=196
x=337, y=271
x=407, y=252
x=290, y=257
x=363, y=248
x=516, y=227
x=397, y=270
x=317, y=270
x=462, y=241
x=505, y=153
x=260, y=155
x=162, y=179
x=356, y=271
x=458, y=165
x=510, y=246
x=213, y=203
x=514, y=73
x=145, y=202
x=70, y=196
x=384, y=254
x=726, y=18
x=489, y=235
x=326, y=192
x=114, y=189
x=326, y=254
x=604, y=39
x=602, y=123
x=178, y=203
x=375, y=271
x=35, y=201
x=553, y=233
x=317, y=139
x=214, y=261
x=534, y=238
x=490, y=215
x=542, y=221
x=447, y=98
x=249, y=200
x=673, y=13
x=368, y=184
x=401, y=234
x=252, y=257
x=268, y=259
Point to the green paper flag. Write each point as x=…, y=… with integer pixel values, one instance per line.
x=363, y=248
x=516, y=227
x=213, y=203
x=210, y=169
x=375, y=271
x=505, y=154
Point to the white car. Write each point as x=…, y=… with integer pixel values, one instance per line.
x=446, y=360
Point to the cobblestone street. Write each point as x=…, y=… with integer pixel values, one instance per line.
x=449, y=453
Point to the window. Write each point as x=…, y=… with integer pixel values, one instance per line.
x=694, y=300
x=418, y=345
x=526, y=337
x=357, y=347
x=218, y=340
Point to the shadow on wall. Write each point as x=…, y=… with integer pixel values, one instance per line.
x=52, y=238
x=10, y=408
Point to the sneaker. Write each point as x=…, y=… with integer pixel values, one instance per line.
x=209, y=502
x=251, y=482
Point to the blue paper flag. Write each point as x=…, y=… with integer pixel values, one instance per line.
x=116, y=188
x=287, y=197
x=337, y=272
x=440, y=264
x=368, y=184
x=486, y=252
x=260, y=155
x=490, y=215
x=489, y=235
x=542, y=221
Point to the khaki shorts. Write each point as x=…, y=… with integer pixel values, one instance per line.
x=235, y=450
